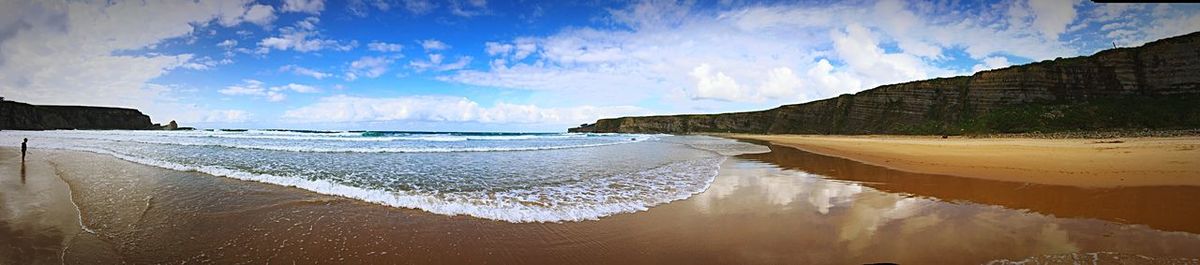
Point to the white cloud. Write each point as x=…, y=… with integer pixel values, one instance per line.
x=514, y=51
x=437, y=63
x=204, y=63
x=59, y=52
x=342, y=108
x=781, y=82
x=496, y=48
x=302, y=37
x=298, y=88
x=990, y=63
x=261, y=15
x=737, y=57
x=1053, y=16
x=468, y=8
x=859, y=48
x=673, y=54
x=368, y=66
x=305, y=6
x=227, y=44
x=362, y=7
x=1168, y=21
x=901, y=22
x=1113, y=11
x=294, y=69
x=419, y=7
x=714, y=84
x=385, y=47
x=434, y=45
x=255, y=88
x=249, y=87
x=223, y=116
x=275, y=96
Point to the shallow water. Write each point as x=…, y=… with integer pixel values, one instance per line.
x=515, y=177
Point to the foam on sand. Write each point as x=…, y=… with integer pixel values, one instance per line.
x=626, y=193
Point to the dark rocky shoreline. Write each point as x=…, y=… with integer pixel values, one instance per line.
x=22, y=116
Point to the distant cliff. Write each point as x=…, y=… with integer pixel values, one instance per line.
x=21, y=116
x=1156, y=85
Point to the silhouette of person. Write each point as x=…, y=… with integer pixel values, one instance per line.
x=23, y=147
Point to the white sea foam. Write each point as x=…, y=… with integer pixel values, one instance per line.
x=294, y=142
x=503, y=207
x=565, y=193
x=311, y=149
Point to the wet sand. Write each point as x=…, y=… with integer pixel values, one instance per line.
x=784, y=207
x=1100, y=163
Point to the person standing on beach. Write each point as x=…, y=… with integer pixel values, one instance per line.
x=23, y=149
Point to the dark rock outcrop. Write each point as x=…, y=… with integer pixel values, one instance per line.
x=22, y=116
x=1156, y=85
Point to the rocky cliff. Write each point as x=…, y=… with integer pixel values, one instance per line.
x=1156, y=85
x=21, y=116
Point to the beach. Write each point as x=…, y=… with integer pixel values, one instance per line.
x=780, y=207
x=1115, y=162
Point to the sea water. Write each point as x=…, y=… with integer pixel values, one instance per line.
x=514, y=177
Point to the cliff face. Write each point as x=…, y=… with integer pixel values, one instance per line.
x=1091, y=92
x=21, y=116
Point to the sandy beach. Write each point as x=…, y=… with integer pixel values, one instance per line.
x=774, y=208
x=1072, y=162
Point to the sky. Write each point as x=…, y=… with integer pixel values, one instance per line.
x=479, y=65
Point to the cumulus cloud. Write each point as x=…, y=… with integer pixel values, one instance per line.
x=222, y=116
x=384, y=47
x=302, y=37
x=369, y=66
x=204, y=63
x=255, y=88
x=496, y=48
x=305, y=6
x=433, y=45
x=461, y=8
x=294, y=69
x=227, y=44
x=712, y=84
x=362, y=7
x=191, y=115
x=468, y=8
x=436, y=62
x=419, y=7
x=298, y=88
x=261, y=15
x=743, y=56
x=990, y=63
x=691, y=57
x=66, y=52
x=1051, y=17
x=342, y=108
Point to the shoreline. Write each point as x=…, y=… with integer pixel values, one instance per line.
x=1097, y=163
x=753, y=212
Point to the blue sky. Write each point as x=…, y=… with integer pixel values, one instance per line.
x=522, y=65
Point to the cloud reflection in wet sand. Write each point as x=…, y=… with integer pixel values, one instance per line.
x=878, y=221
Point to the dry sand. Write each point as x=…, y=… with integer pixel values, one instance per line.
x=1074, y=162
x=761, y=209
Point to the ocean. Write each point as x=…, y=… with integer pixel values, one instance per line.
x=513, y=177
